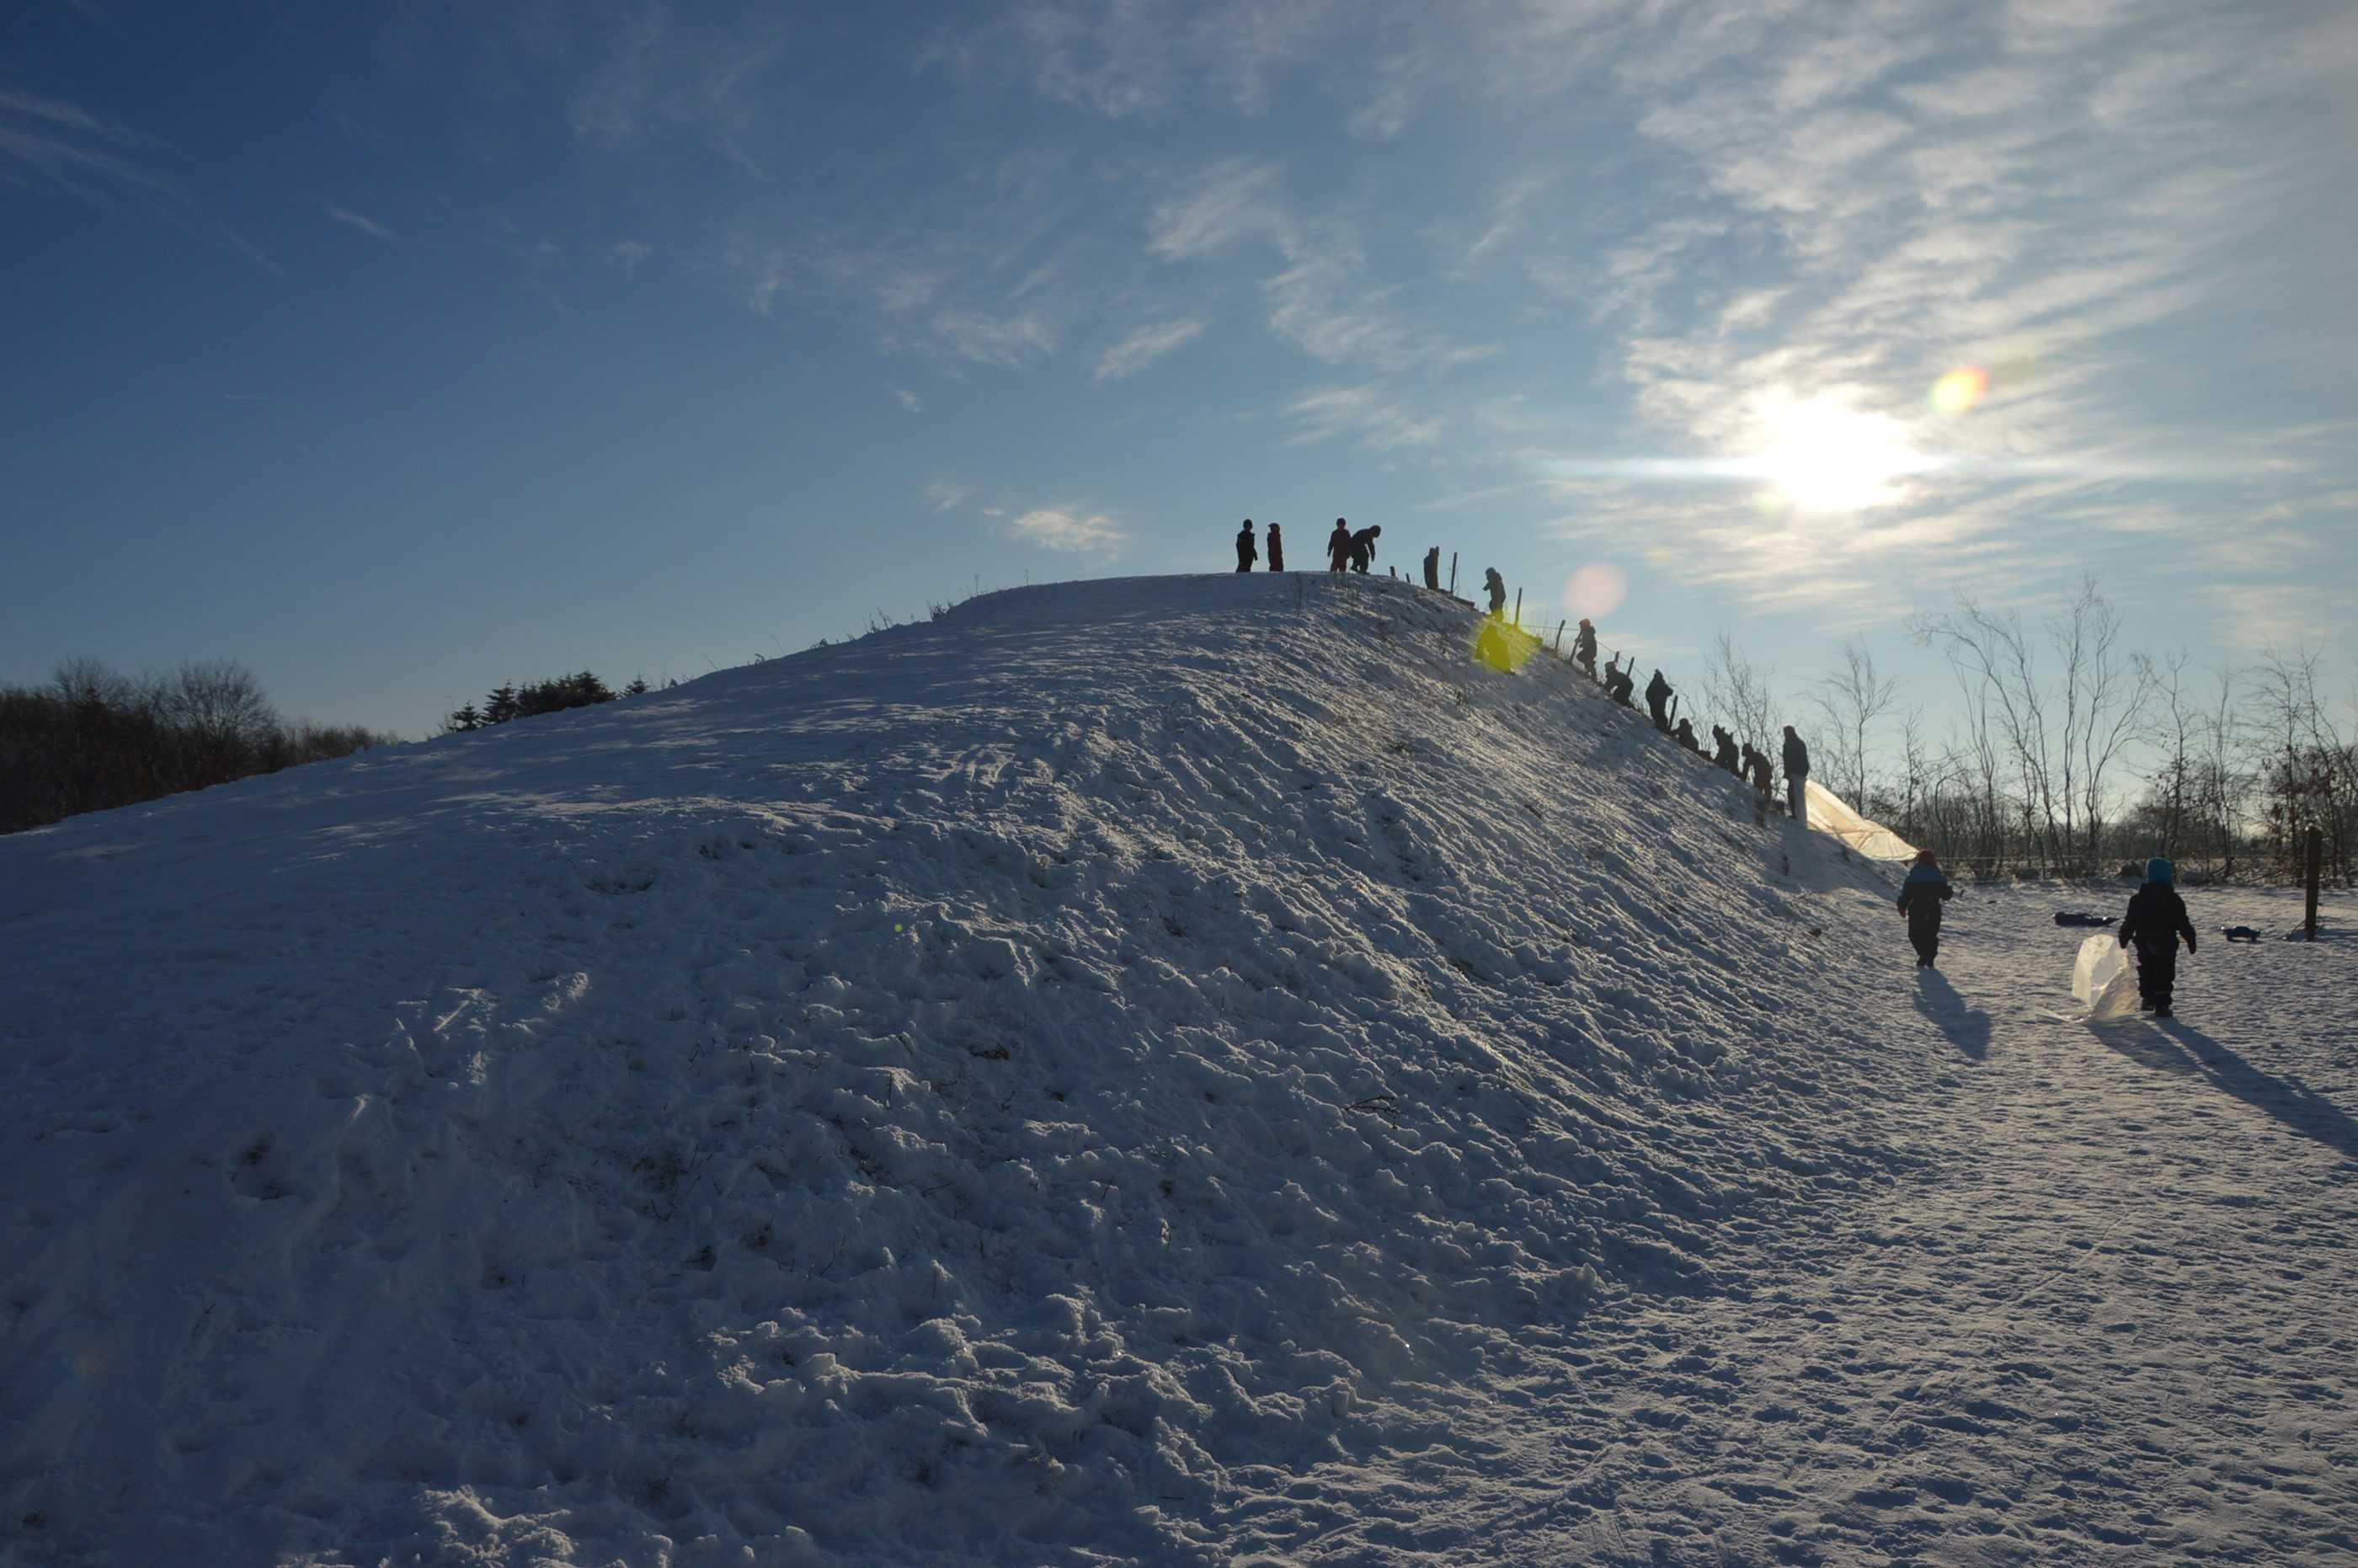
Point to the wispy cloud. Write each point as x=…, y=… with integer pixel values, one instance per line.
x=1069, y=529
x=62, y=145
x=1382, y=423
x=944, y=495
x=627, y=255
x=908, y=400
x=1145, y=346
x=1232, y=202
x=1009, y=339
x=366, y=225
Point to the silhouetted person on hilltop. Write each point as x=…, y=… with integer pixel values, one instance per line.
x=1497, y=586
x=1921, y=897
x=1276, y=550
x=2156, y=920
x=1797, y=776
x=1363, y=547
x=1584, y=648
x=1246, y=553
x=1338, y=546
x=1433, y=568
x=1657, y=692
x=1726, y=756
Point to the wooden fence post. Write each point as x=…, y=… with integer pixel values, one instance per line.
x=1519, y=610
x=2316, y=861
x=1453, y=574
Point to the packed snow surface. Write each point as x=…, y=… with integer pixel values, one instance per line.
x=1191, y=1070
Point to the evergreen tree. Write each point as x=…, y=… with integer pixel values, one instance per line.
x=638, y=686
x=464, y=720
x=500, y=705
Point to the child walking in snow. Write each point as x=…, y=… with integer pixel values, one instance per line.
x=2156, y=920
x=1921, y=897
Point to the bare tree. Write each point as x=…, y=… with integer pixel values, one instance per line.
x=1736, y=686
x=1850, y=700
x=2176, y=724
x=2104, y=707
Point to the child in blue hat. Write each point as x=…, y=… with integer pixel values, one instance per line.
x=2156, y=920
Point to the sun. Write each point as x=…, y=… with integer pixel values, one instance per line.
x=1821, y=455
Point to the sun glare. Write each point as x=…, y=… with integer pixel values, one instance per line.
x=1821, y=455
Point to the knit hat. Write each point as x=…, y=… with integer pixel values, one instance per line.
x=2161, y=871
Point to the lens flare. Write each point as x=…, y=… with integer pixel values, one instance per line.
x=1961, y=389
x=1595, y=590
x=1502, y=647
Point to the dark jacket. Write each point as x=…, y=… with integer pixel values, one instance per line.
x=1339, y=547
x=1658, y=690
x=2156, y=918
x=1797, y=757
x=1276, y=549
x=1363, y=546
x=1922, y=895
x=1584, y=647
x=1497, y=586
x=1246, y=553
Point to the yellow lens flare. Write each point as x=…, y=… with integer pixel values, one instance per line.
x=1959, y=391
x=1502, y=647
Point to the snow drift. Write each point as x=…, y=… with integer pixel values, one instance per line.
x=1002, y=1089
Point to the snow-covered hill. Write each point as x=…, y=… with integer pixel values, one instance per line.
x=1016, y=1089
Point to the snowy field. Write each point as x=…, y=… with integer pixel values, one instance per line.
x=1190, y=1070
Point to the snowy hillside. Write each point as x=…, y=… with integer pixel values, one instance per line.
x=1044, y=1086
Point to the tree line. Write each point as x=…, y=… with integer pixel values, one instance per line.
x=2074, y=754
x=553, y=695
x=94, y=738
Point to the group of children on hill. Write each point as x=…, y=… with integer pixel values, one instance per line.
x=1753, y=766
x=2156, y=921
x=2157, y=916
x=1350, y=549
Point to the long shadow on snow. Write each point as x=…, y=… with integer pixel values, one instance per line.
x=2174, y=1047
x=1937, y=999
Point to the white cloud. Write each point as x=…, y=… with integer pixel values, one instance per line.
x=627, y=255
x=367, y=225
x=1382, y=424
x=63, y=145
x=908, y=400
x=995, y=340
x=944, y=495
x=1145, y=346
x=1232, y=202
x=1069, y=529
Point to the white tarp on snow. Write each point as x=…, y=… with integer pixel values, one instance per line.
x=1872, y=839
x=2102, y=977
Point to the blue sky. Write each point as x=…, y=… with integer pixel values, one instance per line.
x=399, y=350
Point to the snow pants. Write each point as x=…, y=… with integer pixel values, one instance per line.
x=1797, y=787
x=1924, y=929
x=2157, y=970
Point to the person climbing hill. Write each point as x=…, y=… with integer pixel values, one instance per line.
x=1584, y=648
x=1797, y=776
x=1921, y=897
x=1338, y=546
x=1657, y=692
x=1726, y=755
x=1246, y=553
x=1497, y=586
x=1363, y=547
x=2156, y=920
x=1433, y=568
